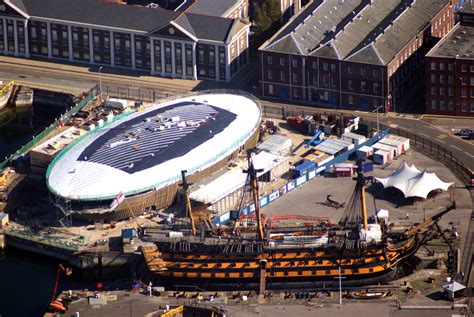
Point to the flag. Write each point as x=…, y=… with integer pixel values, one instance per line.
x=117, y=201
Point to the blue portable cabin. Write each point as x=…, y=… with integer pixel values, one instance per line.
x=303, y=168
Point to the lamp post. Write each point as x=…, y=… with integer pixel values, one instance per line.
x=340, y=285
x=377, y=110
x=100, y=82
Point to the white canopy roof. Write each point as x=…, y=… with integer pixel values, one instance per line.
x=412, y=182
x=453, y=287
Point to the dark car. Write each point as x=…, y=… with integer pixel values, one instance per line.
x=465, y=132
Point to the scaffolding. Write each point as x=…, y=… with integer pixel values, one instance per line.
x=63, y=211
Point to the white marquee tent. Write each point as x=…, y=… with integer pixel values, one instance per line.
x=412, y=182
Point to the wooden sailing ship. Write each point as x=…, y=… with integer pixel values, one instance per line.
x=245, y=261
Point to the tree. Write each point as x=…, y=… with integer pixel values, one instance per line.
x=267, y=16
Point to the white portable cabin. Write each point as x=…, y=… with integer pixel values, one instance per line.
x=381, y=157
x=395, y=143
x=354, y=138
x=389, y=148
x=365, y=152
x=404, y=141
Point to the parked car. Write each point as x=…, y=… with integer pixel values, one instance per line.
x=465, y=132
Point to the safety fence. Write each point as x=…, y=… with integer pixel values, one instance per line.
x=40, y=136
x=292, y=184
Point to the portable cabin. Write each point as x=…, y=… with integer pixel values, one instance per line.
x=344, y=169
x=405, y=141
x=364, y=152
x=389, y=148
x=394, y=143
x=381, y=157
x=303, y=168
x=354, y=138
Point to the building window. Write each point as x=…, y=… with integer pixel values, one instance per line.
x=433, y=78
x=450, y=92
x=375, y=73
x=295, y=78
x=472, y=81
x=157, y=55
x=376, y=88
x=463, y=68
x=441, y=66
x=450, y=79
x=451, y=105
x=362, y=71
x=464, y=107
x=325, y=66
x=450, y=66
x=349, y=84
x=362, y=85
x=333, y=67
x=472, y=107
x=472, y=93
x=441, y=105
x=433, y=66
x=269, y=60
x=464, y=93
x=463, y=81
x=315, y=64
x=441, y=91
x=471, y=68
x=282, y=61
x=178, y=56
x=351, y=100
x=282, y=75
x=270, y=74
x=294, y=62
x=270, y=89
x=433, y=91
x=168, y=58
x=441, y=78
x=349, y=70
x=433, y=104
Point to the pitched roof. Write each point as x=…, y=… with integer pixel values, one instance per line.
x=134, y=18
x=366, y=31
x=219, y=8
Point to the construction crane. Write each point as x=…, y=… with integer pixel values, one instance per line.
x=56, y=305
x=433, y=220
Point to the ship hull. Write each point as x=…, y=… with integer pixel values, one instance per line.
x=302, y=267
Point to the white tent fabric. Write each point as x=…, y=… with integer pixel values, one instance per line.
x=412, y=182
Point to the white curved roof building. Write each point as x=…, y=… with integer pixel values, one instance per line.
x=147, y=150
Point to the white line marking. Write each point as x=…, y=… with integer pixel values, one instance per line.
x=455, y=147
x=470, y=154
x=441, y=141
x=425, y=135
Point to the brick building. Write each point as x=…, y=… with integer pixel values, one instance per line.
x=353, y=54
x=162, y=42
x=287, y=8
x=450, y=70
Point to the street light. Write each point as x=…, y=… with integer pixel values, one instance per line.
x=378, y=125
x=340, y=285
x=100, y=83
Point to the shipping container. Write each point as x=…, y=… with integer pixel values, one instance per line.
x=354, y=138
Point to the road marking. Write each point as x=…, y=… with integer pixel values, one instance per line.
x=442, y=136
x=470, y=154
x=441, y=141
x=425, y=135
x=455, y=147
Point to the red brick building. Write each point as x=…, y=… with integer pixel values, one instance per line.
x=450, y=70
x=353, y=54
x=162, y=42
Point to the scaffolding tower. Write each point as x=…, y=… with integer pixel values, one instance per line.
x=63, y=211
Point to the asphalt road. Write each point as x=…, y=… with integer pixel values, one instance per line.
x=76, y=79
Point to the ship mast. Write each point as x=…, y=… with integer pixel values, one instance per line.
x=185, y=186
x=252, y=173
x=361, y=180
